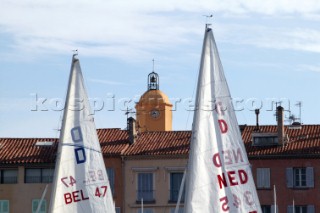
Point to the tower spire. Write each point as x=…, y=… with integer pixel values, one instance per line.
x=153, y=79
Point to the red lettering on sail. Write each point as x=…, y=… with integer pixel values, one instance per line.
x=67, y=198
x=232, y=178
x=248, y=198
x=82, y=196
x=243, y=176
x=229, y=157
x=237, y=155
x=222, y=180
x=216, y=160
x=75, y=196
x=223, y=126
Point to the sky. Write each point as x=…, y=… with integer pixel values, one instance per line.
x=269, y=50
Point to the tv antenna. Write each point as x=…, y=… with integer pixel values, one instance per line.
x=299, y=104
x=128, y=112
x=294, y=119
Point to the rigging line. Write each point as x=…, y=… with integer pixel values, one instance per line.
x=192, y=98
x=42, y=198
x=79, y=146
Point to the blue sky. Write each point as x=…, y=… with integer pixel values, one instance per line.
x=269, y=49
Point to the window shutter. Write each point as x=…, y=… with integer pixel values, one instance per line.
x=310, y=209
x=290, y=209
x=267, y=177
x=310, y=177
x=289, y=174
x=259, y=177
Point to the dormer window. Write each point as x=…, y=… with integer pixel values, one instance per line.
x=264, y=139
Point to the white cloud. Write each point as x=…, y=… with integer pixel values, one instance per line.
x=132, y=30
x=280, y=37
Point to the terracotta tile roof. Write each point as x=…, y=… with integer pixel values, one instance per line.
x=113, y=141
x=24, y=150
x=304, y=142
x=161, y=143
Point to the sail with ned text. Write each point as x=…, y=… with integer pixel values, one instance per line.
x=219, y=177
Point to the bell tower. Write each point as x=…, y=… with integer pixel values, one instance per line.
x=154, y=110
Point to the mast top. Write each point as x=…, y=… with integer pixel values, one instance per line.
x=207, y=18
x=75, y=53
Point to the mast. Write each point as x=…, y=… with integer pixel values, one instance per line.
x=219, y=176
x=275, y=198
x=80, y=180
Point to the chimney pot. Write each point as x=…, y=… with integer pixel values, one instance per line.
x=257, y=111
x=132, y=130
x=280, y=125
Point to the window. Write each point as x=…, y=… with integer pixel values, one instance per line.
x=110, y=172
x=266, y=208
x=4, y=206
x=41, y=175
x=35, y=204
x=8, y=176
x=175, y=184
x=301, y=177
x=145, y=210
x=181, y=210
x=265, y=140
x=145, y=187
x=301, y=209
x=263, y=178
x=118, y=210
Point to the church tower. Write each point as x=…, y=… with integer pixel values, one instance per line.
x=154, y=110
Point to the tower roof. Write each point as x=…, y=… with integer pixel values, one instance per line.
x=154, y=97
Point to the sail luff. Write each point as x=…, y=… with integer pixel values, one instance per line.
x=80, y=181
x=189, y=173
x=219, y=177
x=62, y=130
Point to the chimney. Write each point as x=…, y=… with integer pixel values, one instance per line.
x=280, y=125
x=132, y=130
x=257, y=111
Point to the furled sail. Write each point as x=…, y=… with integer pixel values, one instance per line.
x=80, y=181
x=219, y=177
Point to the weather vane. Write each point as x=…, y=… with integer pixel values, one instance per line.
x=75, y=52
x=208, y=17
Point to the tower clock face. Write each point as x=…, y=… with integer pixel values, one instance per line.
x=155, y=113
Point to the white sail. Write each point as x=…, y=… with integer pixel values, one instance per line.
x=219, y=177
x=80, y=181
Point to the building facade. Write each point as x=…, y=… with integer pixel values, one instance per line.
x=145, y=163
